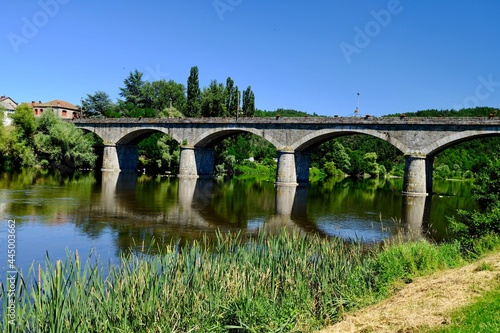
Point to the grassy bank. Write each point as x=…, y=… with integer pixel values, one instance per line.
x=282, y=283
x=481, y=316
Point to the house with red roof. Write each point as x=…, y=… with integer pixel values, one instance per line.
x=62, y=109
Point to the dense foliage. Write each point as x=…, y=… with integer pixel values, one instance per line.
x=471, y=225
x=159, y=154
x=479, y=111
x=47, y=142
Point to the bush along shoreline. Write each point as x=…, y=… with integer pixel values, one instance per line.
x=271, y=283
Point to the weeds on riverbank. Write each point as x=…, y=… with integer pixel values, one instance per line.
x=281, y=283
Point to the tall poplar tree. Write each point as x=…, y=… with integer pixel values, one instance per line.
x=248, y=102
x=231, y=94
x=193, y=107
x=213, y=100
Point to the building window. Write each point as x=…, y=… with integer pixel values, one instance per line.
x=64, y=113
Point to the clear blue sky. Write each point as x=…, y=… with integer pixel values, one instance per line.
x=312, y=56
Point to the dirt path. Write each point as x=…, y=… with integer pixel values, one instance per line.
x=426, y=302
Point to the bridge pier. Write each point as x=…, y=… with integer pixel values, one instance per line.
x=118, y=158
x=110, y=158
x=286, y=174
x=415, y=176
x=204, y=161
x=429, y=168
x=302, y=162
x=187, y=163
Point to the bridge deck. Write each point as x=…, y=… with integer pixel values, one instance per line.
x=298, y=120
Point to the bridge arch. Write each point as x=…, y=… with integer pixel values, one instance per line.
x=136, y=136
x=213, y=136
x=97, y=135
x=451, y=140
x=197, y=156
x=318, y=137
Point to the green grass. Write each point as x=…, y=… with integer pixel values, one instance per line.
x=270, y=283
x=400, y=263
x=482, y=316
x=254, y=171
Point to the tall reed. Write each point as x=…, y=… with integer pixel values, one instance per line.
x=281, y=283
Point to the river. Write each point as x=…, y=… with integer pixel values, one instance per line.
x=109, y=213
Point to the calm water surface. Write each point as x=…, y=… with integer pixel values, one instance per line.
x=112, y=213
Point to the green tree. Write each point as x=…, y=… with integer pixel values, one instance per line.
x=261, y=149
x=248, y=102
x=97, y=104
x=131, y=110
x=133, y=90
x=232, y=97
x=164, y=94
x=169, y=154
x=331, y=151
x=61, y=145
x=283, y=113
x=159, y=153
x=470, y=225
x=212, y=100
x=24, y=121
x=240, y=148
x=193, y=103
x=18, y=150
x=372, y=167
x=340, y=157
x=171, y=113
x=6, y=142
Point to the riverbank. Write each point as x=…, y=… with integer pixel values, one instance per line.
x=288, y=282
x=426, y=303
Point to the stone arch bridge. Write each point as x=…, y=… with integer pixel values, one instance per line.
x=419, y=139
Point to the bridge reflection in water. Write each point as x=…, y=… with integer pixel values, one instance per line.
x=193, y=210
